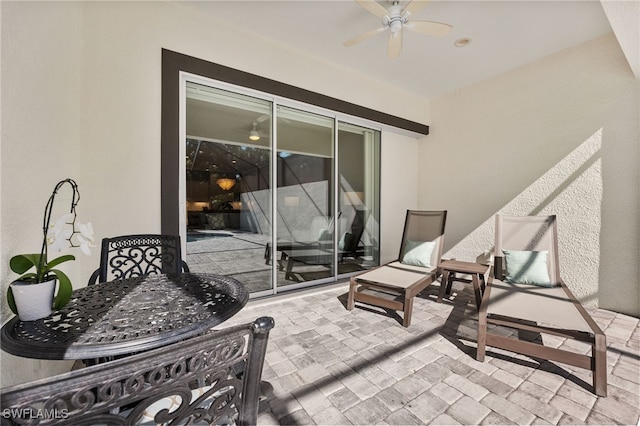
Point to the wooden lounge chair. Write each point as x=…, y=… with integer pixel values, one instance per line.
x=210, y=379
x=528, y=300
x=395, y=284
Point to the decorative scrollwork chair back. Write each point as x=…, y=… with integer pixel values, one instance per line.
x=129, y=256
x=210, y=379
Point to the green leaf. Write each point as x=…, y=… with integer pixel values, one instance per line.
x=64, y=289
x=59, y=260
x=21, y=263
x=11, y=301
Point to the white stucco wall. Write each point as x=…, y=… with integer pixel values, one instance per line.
x=558, y=136
x=81, y=90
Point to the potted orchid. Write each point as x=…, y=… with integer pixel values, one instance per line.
x=31, y=296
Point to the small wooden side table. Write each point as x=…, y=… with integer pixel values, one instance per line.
x=449, y=269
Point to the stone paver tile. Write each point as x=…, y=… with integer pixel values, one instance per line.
x=496, y=419
x=446, y=392
x=488, y=382
x=402, y=417
x=598, y=419
x=568, y=420
x=507, y=377
x=343, y=399
x=283, y=385
x=426, y=407
x=536, y=391
x=283, y=405
x=539, y=422
x=392, y=399
x=577, y=394
x=426, y=355
x=299, y=417
x=359, y=385
x=445, y=420
x=412, y=386
x=468, y=411
x=617, y=408
x=535, y=406
x=628, y=371
x=625, y=384
x=569, y=407
x=508, y=409
x=329, y=385
x=546, y=379
x=380, y=378
x=433, y=372
x=311, y=399
x=456, y=366
x=283, y=368
x=466, y=386
x=395, y=369
x=330, y=416
x=367, y=412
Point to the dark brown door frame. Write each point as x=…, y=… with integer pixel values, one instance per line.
x=173, y=63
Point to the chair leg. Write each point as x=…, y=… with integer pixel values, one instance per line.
x=444, y=282
x=600, y=365
x=482, y=336
x=477, y=290
x=352, y=290
x=408, y=309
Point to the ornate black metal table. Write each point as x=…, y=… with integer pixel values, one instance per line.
x=127, y=316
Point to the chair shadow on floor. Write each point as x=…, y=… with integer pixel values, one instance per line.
x=461, y=325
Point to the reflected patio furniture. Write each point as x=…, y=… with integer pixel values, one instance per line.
x=321, y=252
x=138, y=255
x=213, y=378
x=531, y=297
x=395, y=284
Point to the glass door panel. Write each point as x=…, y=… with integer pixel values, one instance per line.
x=305, y=196
x=228, y=190
x=358, y=198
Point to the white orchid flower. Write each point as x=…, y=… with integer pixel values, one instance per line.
x=85, y=245
x=86, y=231
x=60, y=239
x=63, y=220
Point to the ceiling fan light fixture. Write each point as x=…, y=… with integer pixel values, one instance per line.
x=254, y=136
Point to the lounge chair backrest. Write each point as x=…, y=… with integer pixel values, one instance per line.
x=210, y=379
x=421, y=225
x=528, y=233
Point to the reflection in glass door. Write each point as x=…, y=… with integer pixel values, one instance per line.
x=358, y=198
x=305, y=196
x=228, y=174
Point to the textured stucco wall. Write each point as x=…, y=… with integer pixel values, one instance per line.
x=558, y=136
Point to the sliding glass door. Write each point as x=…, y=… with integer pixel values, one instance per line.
x=228, y=189
x=277, y=195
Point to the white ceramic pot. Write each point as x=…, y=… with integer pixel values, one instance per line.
x=34, y=301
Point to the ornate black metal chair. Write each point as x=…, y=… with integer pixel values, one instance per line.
x=137, y=255
x=210, y=379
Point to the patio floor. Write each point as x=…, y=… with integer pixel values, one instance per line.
x=331, y=366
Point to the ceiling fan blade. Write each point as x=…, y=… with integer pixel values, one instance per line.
x=429, y=28
x=373, y=7
x=395, y=45
x=414, y=6
x=363, y=36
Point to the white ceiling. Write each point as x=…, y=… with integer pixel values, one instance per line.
x=504, y=34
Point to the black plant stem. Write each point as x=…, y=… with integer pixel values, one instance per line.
x=47, y=220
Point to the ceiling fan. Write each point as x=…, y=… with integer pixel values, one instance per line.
x=396, y=19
